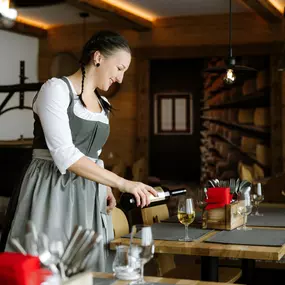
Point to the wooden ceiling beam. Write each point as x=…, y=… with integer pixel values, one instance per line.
x=25, y=29
x=265, y=9
x=112, y=14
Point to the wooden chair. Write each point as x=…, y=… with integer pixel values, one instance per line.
x=120, y=223
x=154, y=214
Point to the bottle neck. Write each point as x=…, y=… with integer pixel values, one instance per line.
x=176, y=192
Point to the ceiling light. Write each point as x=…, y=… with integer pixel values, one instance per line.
x=230, y=67
x=7, y=15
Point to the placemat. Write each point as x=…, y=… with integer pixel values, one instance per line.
x=272, y=217
x=261, y=237
x=173, y=231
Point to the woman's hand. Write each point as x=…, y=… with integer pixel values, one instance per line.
x=141, y=191
x=111, y=201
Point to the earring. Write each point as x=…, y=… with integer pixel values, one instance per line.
x=97, y=64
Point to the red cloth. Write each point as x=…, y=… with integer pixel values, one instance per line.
x=16, y=268
x=218, y=197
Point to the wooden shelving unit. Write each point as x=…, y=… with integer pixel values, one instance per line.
x=236, y=147
x=243, y=127
x=258, y=98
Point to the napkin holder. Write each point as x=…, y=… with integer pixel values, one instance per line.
x=221, y=213
x=224, y=218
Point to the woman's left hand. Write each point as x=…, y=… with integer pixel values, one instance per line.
x=111, y=201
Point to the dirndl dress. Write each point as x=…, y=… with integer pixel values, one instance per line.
x=56, y=203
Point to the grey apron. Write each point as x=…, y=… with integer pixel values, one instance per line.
x=55, y=202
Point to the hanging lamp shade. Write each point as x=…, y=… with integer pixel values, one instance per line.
x=230, y=63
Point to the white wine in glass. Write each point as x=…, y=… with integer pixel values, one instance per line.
x=186, y=215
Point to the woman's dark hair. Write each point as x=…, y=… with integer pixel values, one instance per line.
x=107, y=43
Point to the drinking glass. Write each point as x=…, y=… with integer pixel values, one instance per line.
x=244, y=208
x=143, y=250
x=186, y=215
x=256, y=200
x=201, y=198
x=124, y=267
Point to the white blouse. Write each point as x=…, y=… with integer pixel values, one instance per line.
x=51, y=107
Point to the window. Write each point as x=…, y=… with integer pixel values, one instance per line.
x=173, y=113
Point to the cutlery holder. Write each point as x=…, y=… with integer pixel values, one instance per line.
x=224, y=218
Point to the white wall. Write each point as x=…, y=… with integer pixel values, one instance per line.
x=13, y=48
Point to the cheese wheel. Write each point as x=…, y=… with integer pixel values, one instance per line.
x=234, y=137
x=249, y=87
x=263, y=154
x=258, y=172
x=245, y=116
x=262, y=79
x=248, y=144
x=233, y=115
x=261, y=117
x=245, y=172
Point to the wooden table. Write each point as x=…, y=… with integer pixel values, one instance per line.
x=158, y=280
x=210, y=253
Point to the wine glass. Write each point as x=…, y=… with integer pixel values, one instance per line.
x=256, y=200
x=186, y=215
x=201, y=204
x=143, y=251
x=244, y=208
x=201, y=198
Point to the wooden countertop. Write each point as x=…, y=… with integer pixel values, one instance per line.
x=159, y=280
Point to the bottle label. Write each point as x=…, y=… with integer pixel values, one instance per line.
x=160, y=195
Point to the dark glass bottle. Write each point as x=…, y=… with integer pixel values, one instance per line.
x=128, y=201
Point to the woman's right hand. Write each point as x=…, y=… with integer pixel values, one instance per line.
x=140, y=191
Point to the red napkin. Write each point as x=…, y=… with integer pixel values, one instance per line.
x=16, y=268
x=218, y=197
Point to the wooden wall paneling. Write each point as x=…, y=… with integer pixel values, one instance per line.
x=195, y=31
x=276, y=116
x=172, y=52
x=123, y=120
x=142, y=134
x=283, y=121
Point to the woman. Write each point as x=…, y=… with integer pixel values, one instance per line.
x=64, y=184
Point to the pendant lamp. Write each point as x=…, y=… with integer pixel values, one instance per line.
x=230, y=68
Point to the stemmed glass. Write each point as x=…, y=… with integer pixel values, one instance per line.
x=244, y=208
x=186, y=215
x=202, y=203
x=143, y=251
x=201, y=198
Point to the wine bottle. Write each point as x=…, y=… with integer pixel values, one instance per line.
x=128, y=201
